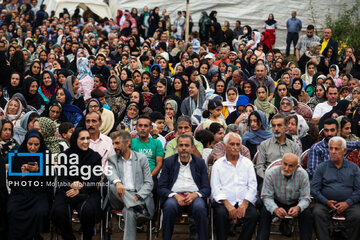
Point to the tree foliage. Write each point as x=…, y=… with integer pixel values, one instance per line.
x=346, y=27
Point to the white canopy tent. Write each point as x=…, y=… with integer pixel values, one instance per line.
x=96, y=6
x=249, y=12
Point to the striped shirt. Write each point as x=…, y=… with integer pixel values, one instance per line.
x=295, y=189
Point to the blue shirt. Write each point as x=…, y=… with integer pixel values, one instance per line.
x=319, y=153
x=339, y=184
x=293, y=25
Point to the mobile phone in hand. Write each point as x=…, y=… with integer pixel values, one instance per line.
x=182, y=195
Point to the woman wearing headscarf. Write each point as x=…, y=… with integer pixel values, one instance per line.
x=28, y=205
x=270, y=27
x=107, y=116
x=195, y=100
x=179, y=88
x=261, y=102
x=248, y=89
x=15, y=85
x=171, y=115
x=129, y=121
x=163, y=88
x=85, y=77
x=204, y=26
x=77, y=192
x=345, y=125
x=313, y=55
x=120, y=102
x=220, y=88
x=298, y=92
x=14, y=110
x=153, y=21
x=281, y=91
x=238, y=115
x=72, y=113
x=319, y=97
x=73, y=84
x=54, y=111
x=287, y=106
x=230, y=104
x=47, y=86
x=27, y=122
x=35, y=70
x=31, y=94
x=255, y=40
x=48, y=129
x=343, y=108
x=246, y=35
x=297, y=130
x=113, y=90
x=258, y=124
x=7, y=142
x=216, y=34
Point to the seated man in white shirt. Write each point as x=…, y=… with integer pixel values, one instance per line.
x=325, y=107
x=130, y=183
x=233, y=184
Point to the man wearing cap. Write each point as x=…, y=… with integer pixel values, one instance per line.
x=212, y=67
x=232, y=57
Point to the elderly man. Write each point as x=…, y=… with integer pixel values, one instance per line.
x=219, y=148
x=224, y=56
x=233, y=184
x=319, y=152
x=274, y=148
x=286, y=192
x=130, y=183
x=328, y=41
x=184, y=186
x=336, y=189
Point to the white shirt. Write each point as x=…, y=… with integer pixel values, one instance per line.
x=184, y=181
x=233, y=183
x=128, y=174
x=321, y=109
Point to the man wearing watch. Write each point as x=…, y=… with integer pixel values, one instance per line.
x=130, y=184
x=183, y=187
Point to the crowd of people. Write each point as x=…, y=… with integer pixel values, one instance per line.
x=166, y=114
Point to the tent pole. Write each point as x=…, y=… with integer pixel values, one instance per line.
x=187, y=21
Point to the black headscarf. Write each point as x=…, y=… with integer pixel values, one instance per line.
x=54, y=102
x=34, y=100
x=270, y=21
x=296, y=93
x=184, y=89
x=11, y=90
x=17, y=162
x=86, y=158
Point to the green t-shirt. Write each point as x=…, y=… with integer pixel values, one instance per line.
x=152, y=149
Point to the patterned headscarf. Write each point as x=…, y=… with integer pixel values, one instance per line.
x=48, y=129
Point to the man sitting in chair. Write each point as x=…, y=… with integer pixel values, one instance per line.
x=336, y=189
x=286, y=192
x=184, y=186
x=130, y=183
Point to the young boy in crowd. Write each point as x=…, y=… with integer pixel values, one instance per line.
x=158, y=120
x=207, y=139
x=66, y=129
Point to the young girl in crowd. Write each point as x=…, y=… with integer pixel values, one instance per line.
x=214, y=114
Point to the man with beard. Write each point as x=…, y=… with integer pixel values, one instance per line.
x=274, y=148
x=130, y=183
x=184, y=187
x=303, y=44
x=319, y=152
x=286, y=193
